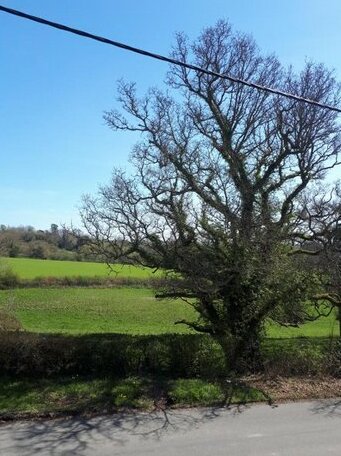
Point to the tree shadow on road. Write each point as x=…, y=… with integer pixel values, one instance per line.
x=328, y=407
x=76, y=436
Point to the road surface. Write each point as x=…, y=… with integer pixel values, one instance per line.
x=295, y=429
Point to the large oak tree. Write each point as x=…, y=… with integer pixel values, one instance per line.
x=223, y=189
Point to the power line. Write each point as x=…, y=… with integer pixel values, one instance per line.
x=153, y=55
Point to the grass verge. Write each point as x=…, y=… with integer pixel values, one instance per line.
x=27, y=398
x=20, y=398
x=71, y=395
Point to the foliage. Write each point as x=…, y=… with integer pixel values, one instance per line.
x=118, y=355
x=56, y=243
x=8, y=278
x=131, y=392
x=195, y=392
x=299, y=356
x=8, y=321
x=171, y=355
x=334, y=358
x=330, y=259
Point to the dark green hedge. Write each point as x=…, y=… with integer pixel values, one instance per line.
x=172, y=355
x=109, y=354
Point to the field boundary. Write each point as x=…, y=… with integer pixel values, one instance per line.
x=82, y=281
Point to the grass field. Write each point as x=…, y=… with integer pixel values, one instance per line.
x=123, y=310
x=28, y=268
x=90, y=310
x=76, y=310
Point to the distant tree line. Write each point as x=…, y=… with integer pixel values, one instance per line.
x=55, y=243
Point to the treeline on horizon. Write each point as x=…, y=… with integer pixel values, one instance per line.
x=54, y=244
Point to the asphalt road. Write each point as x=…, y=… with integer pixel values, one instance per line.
x=295, y=429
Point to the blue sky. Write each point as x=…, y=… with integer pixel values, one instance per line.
x=54, y=86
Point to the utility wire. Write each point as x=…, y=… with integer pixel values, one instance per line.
x=153, y=55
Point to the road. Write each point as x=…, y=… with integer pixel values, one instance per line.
x=295, y=429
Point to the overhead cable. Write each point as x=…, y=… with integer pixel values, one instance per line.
x=153, y=55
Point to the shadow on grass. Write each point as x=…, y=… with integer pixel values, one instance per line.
x=240, y=392
x=29, y=398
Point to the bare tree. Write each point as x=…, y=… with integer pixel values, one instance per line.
x=223, y=175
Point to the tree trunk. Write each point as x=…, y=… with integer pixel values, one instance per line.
x=242, y=352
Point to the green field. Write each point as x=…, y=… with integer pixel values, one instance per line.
x=111, y=310
x=118, y=310
x=93, y=310
x=28, y=268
